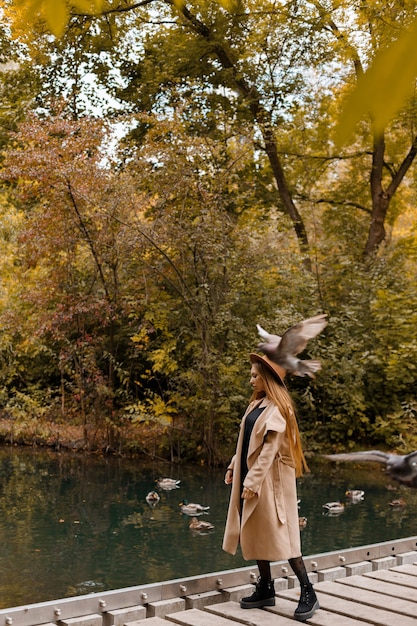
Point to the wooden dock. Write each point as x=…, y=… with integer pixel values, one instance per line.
x=384, y=597
x=374, y=584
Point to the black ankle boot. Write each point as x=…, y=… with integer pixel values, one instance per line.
x=308, y=603
x=264, y=595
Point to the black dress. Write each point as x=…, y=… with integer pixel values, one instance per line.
x=249, y=424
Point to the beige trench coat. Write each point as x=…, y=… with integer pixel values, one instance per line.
x=268, y=528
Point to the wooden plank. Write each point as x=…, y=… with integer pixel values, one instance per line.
x=320, y=618
x=368, y=598
x=253, y=617
x=336, y=603
x=152, y=621
x=327, y=618
x=284, y=608
x=394, y=577
x=196, y=617
x=381, y=586
x=410, y=569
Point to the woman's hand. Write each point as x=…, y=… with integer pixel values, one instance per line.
x=228, y=479
x=247, y=493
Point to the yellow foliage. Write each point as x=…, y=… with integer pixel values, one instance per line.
x=384, y=88
x=141, y=338
x=153, y=411
x=55, y=13
x=227, y=4
x=162, y=361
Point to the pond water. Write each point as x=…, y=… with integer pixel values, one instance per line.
x=73, y=524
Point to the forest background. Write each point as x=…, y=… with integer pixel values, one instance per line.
x=170, y=178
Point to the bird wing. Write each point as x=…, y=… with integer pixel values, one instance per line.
x=295, y=339
x=403, y=466
x=367, y=455
x=399, y=467
x=268, y=337
x=411, y=458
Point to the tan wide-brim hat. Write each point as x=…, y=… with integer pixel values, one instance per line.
x=274, y=367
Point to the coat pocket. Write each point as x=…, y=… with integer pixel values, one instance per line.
x=278, y=491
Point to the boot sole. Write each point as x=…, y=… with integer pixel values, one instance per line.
x=258, y=604
x=302, y=617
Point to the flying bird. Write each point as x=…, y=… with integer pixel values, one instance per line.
x=401, y=467
x=284, y=350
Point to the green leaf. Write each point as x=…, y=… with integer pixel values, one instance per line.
x=384, y=88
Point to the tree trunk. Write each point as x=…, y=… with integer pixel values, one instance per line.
x=262, y=117
x=376, y=232
x=381, y=197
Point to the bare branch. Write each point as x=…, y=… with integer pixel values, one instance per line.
x=403, y=169
x=89, y=240
x=118, y=9
x=355, y=205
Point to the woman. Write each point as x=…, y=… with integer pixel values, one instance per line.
x=263, y=510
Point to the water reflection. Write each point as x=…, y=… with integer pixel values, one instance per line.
x=71, y=525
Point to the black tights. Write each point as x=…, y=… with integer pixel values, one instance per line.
x=299, y=570
x=297, y=565
x=264, y=569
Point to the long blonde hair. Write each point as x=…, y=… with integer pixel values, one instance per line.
x=278, y=394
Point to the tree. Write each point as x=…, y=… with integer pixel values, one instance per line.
x=371, y=95
x=210, y=281
x=259, y=57
x=69, y=242
x=155, y=232
x=231, y=117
